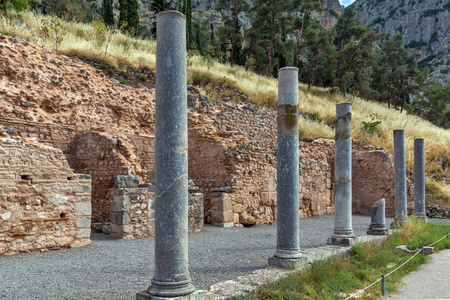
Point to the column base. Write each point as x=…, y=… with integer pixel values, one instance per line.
x=287, y=263
x=377, y=230
x=342, y=240
x=421, y=216
x=196, y=295
x=170, y=289
x=398, y=222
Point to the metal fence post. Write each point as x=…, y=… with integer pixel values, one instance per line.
x=383, y=291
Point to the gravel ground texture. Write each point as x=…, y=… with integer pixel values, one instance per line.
x=430, y=281
x=111, y=268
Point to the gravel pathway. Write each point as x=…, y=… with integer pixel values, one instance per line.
x=110, y=268
x=430, y=281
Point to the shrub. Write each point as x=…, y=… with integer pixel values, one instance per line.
x=370, y=127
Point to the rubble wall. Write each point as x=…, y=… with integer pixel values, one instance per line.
x=44, y=204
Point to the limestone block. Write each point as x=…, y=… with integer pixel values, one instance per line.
x=121, y=228
x=264, y=198
x=221, y=203
x=120, y=218
x=84, y=188
x=272, y=199
x=235, y=218
x=63, y=240
x=83, y=209
x=59, y=199
x=120, y=203
x=221, y=216
x=83, y=233
x=5, y=216
x=83, y=222
x=80, y=243
x=126, y=181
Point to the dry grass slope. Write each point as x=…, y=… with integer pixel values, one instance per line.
x=88, y=41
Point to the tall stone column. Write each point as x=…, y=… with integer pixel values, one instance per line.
x=343, y=230
x=171, y=278
x=419, y=179
x=399, y=178
x=288, y=246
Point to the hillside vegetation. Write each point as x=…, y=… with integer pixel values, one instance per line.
x=218, y=80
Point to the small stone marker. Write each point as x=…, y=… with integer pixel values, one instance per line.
x=419, y=179
x=171, y=278
x=401, y=211
x=378, y=220
x=288, y=246
x=343, y=230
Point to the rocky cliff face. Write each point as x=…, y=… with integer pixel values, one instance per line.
x=424, y=25
x=332, y=11
x=207, y=9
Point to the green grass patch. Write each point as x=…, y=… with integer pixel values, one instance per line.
x=338, y=277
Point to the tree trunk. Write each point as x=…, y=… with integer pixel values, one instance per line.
x=233, y=40
x=397, y=102
x=311, y=70
x=351, y=62
x=271, y=43
x=404, y=94
x=252, y=38
x=390, y=88
x=300, y=35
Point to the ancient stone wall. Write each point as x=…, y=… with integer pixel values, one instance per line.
x=43, y=203
x=107, y=129
x=133, y=209
x=237, y=152
x=102, y=156
x=132, y=213
x=372, y=173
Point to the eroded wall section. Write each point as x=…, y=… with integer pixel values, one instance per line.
x=43, y=203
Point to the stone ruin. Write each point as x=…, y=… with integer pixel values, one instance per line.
x=44, y=204
x=106, y=129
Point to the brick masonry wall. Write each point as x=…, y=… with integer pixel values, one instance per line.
x=44, y=204
x=103, y=156
x=241, y=159
x=372, y=174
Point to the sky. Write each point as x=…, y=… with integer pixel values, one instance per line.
x=346, y=2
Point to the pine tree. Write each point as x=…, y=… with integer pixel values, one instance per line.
x=123, y=16
x=237, y=6
x=160, y=5
x=251, y=32
x=318, y=41
x=198, y=36
x=107, y=12
x=355, y=54
x=133, y=17
x=190, y=36
x=129, y=16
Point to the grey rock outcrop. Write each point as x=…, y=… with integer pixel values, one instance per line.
x=424, y=25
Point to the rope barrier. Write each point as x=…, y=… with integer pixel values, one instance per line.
x=417, y=252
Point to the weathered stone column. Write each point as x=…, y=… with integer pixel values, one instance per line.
x=399, y=178
x=288, y=246
x=378, y=219
x=171, y=278
x=419, y=179
x=343, y=230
